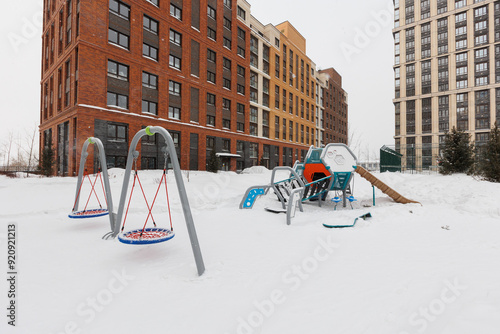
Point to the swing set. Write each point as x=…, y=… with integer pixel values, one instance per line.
x=83, y=176
x=144, y=235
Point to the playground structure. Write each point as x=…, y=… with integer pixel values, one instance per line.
x=144, y=235
x=324, y=170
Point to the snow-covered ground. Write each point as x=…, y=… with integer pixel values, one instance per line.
x=410, y=269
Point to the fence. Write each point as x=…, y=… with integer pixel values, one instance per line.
x=413, y=158
x=17, y=169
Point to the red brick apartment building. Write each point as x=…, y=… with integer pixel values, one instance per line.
x=335, y=103
x=112, y=67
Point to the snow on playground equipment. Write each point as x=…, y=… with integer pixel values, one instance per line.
x=324, y=169
x=104, y=182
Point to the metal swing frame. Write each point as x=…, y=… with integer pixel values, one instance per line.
x=104, y=171
x=170, y=150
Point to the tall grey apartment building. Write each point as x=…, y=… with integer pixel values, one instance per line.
x=447, y=74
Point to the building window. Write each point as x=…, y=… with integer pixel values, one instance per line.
x=481, y=39
x=174, y=88
x=120, y=9
x=175, y=11
x=240, y=108
x=460, y=3
x=241, y=13
x=175, y=37
x=227, y=23
x=461, y=84
x=175, y=62
x=174, y=112
x=149, y=80
x=118, y=38
x=241, y=51
x=241, y=33
x=241, y=71
x=240, y=126
x=481, y=81
x=240, y=89
x=211, y=120
x=226, y=42
x=228, y=4
x=442, y=6
x=149, y=51
x=462, y=17
x=117, y=70
x=117, y=100
x=211, y=12
x=117, y=133
x=211, y=34
x=150, y=107
x=150, y=25
x=226, y=123
x=226, y=63
x=68, y=23
x=211, y=99
x=211, y=56
x=211, y=77
x=481, y=25
x=461, y=44
x=481, y=53
x=226, y=104
x=481, y=11
x=155, y=2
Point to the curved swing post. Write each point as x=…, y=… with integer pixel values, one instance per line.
x=170, y=149
x=104, y=181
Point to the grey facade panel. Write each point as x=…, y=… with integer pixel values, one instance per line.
x=193, y=151
x=195, y=14
x=195, y=58
x=195, y=104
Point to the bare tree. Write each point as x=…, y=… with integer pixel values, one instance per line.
x=354, y=139
x=30, y=142
x=8, y=147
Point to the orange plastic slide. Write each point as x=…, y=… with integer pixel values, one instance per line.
x=383, y=187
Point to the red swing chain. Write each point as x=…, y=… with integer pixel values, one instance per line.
x=92, y=184
x=150, y=209
x=168, y=202
x=93, y=191
x=136, y=177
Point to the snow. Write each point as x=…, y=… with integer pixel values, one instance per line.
x=399, y=272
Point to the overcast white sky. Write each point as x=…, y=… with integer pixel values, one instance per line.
x=352, y=36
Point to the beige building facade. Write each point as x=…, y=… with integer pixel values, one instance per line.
x=447, y=74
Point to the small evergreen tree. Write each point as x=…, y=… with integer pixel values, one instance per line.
x=457, y=155
x=213, y=164
x=47, y=161
x=490, y=159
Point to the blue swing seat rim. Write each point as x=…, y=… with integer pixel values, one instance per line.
x=123, y=239
x=78, y=215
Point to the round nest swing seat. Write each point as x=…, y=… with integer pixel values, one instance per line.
x=89, y=213
x=146, y=236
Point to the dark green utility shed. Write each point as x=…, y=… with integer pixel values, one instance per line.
x=390, y=160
